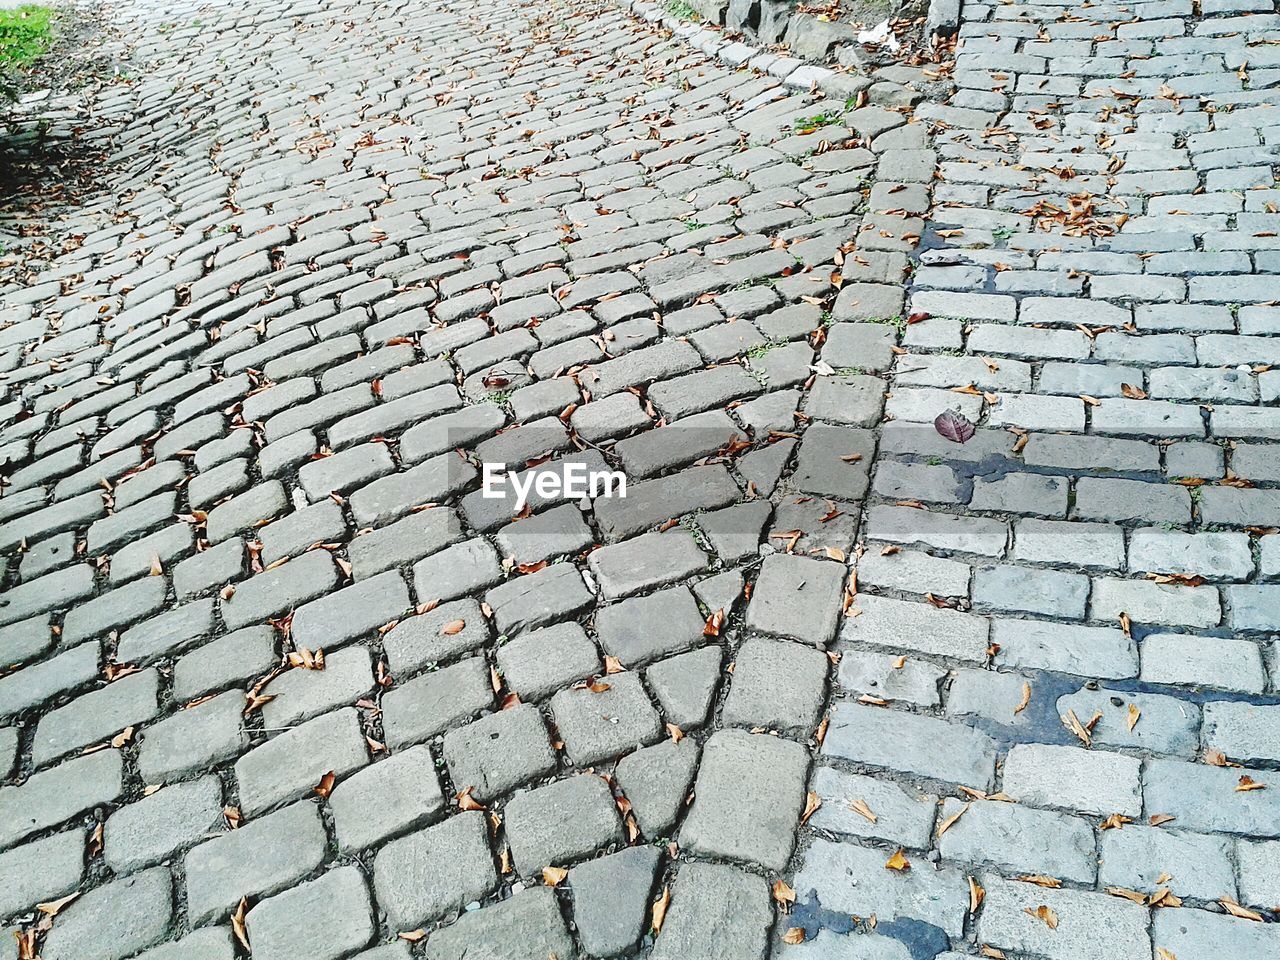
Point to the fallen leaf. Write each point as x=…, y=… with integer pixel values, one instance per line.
x=794, y=935
x=554, y=876
x=1026, y=699
x=1073, y=724
x=1244, y=913
x=675, y=732
x=1128, y=894
x=991, y=952
x=453, y=627
x=811, y=804
x=898, y=862
x=237, y=922
x=325, y=786
x=1045, y=915
x=1163, y=954
x=1157, y=819
x=467, y=802
x=660, y=910
x=860, y=807
x=1248, y=783
x=157, y=569
x=1134, y=714
x=233, y=817
x=1164, y=897
x=122, y=738
x=51, y=908
x=976, y=895
x=1042, y=881
x=1114, y=822
x=413, y=936
x=612, y=665
x=714, y=624
x=954, y=426
x=950, y=822
x=783, y=893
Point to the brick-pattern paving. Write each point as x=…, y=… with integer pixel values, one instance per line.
x=825, y=684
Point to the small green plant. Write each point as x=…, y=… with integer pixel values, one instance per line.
x=682, y=11
x=817, y=120
x=25, y=33
x=899, y=323
x=692, y=225
x=849, y=371
x=934, y=461
x=1002, y=233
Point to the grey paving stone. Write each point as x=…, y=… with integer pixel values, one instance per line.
x=1199, y=933
x=537, y=599
x=1092, y=926
x=386, y=798
x=434, y=872
x=438, y=634
x=611, y=717
x=718, y=912
x=1178, y=658
x=193, y=738
x=351, y=612
x=97, y=716
x=264, y=855
x=152, y=829
x=290, y=765
x=902, y=815
x=1019, y=839
x=652, y=560
x=207, y=943
x=42, y=681
x=642, y=629
x=231, y=659
x=1243, y=731
x=8, y=751
x=416, y=536
x=899, y=625
x=798, y=598
x=301, y=694
x=523, y=927
x=740, y=811
x=776, y=685
x=561, y=822
x=499, y=752
x=276, y=591
x=537, y=664
x=338, y=914
x=40, y=871
x=59, y=793
x=1148, y=858
x=457, y=570
x=112, y=610
x=939, y=897
x=1090, y=781
x=436, y=701
x=912, y=743
x=611, y=899
x=115, y=920
x=656, y=780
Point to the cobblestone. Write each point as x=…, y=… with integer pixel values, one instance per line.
x=329, y=269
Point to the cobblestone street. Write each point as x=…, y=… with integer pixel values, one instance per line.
x=844, y=676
